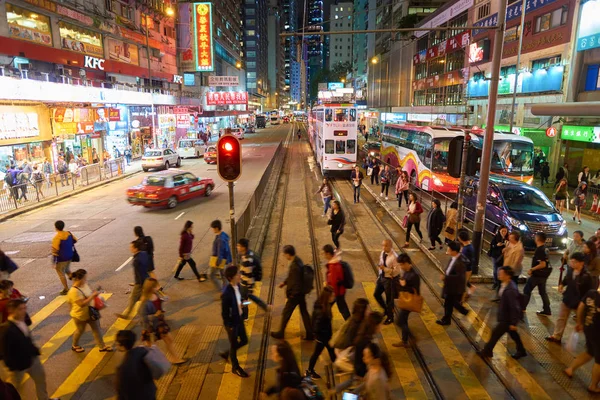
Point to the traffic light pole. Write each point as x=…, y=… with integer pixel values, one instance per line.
x=232, y=222
x=461, y=185
x=488, y=140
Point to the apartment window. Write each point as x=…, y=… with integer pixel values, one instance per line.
x=508, y=70
x=454, y=95
x=436, y=67
x=250, y=11
x=420, y=71
x=552, y=19
x=251, y=43
x=250, y=22
x=455, y=61
x=251, y=32
x=249, y=1
x=251, y=75
x=251, y=54
x=512, y=34
x=251, y=64
x=483, y=11
x=420, y=98
x=219, y=32
x=458, y=22
x=251, y=85
x=545, y=63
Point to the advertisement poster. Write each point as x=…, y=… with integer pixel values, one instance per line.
x=223, y=80
x=123, y=52
x=21, y=26
x=226, y=98
x=114, y=114
x=18, y=125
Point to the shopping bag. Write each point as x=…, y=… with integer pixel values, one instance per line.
x=405, y=221
x=572, y=342
x=99, y=303
x=369, y=171
x=345, y=360
x=410, y=301
x=213, y=262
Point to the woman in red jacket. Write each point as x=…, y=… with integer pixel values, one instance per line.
x=414, y=217
x=335, y=279
x=185, y=250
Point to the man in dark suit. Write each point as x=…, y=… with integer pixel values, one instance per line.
x=455, y=280
x=19, y=353
x=231, y=311
x=509, y=314
x=294, y=293
x=134, y=378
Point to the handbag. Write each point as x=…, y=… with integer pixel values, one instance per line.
x=76, y=257
x=94, y=313
x=413, y=218
x=410, y=301
x=345, y=360
x=369, y=171
x=450, y=230
x=405, y=221
x=212, y=262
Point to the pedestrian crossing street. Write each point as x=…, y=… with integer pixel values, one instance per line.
x=452, y=363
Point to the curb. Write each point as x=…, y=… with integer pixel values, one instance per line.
x=415, y=238
x=20, y=211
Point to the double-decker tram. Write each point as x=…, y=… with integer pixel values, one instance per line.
x=332, y=133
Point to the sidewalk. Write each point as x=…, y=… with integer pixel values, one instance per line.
x=57, y=192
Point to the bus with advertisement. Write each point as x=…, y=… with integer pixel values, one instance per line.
x=333, y=136
x=432, y=156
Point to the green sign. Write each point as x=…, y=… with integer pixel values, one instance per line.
x=588, y=134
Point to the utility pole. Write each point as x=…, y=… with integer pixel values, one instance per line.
x=232, y=224
x=488, y=140
x=514, y=98
x=463, y=175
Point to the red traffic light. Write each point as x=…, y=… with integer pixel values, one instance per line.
x=229, y=158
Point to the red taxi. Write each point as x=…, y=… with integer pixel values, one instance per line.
x=210, y=155
x=168, y=188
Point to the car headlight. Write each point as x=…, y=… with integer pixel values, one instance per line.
x=372, y=154
x=340, y=165
x=563, y=227
x=530, y=181
x=517, y=224
x=437, y=181
x=565, y=240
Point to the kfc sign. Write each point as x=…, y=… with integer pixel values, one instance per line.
x=93, y=63
x=226, y=98
x=178, y=79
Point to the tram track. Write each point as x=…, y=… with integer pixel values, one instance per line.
x=434, y=290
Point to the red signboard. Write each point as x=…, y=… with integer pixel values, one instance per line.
x=441, y=48
x=416, y=59
x=226, y=98
x=203, y=39
x=432, y=52
x=114, y=114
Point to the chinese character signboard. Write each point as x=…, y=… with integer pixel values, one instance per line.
x=203, y=40
x=588, y=134
x=589, y=26
x=114, y=114
x=223, y=80
x=226, y=98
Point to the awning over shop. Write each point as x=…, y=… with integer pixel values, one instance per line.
x=582, y=109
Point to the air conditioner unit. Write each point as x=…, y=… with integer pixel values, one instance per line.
x=24, y=67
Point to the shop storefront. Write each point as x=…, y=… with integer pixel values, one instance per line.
x=166, y=130
x=25, y=134
x=543, y=139
x=118, y=132
x=582, y=147
x=78, y=131
x=141, y=129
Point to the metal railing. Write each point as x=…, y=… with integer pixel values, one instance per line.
x=30, y=191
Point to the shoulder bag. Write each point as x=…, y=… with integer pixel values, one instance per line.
x=94, y=313
x=410, y=301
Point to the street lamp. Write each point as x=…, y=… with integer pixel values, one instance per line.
x=343, y=80
x=374, y=60
x=170, y=12
x=238, y=64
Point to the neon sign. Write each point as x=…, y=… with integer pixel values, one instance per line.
x=203, y=40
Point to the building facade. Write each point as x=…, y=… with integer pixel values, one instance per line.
x=315, y=43
x=290, y=46
x=276, y=57
x=256, y=44
x=340, y=46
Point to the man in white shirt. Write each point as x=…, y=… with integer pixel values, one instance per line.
x=389, y=274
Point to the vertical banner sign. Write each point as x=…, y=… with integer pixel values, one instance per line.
x=203, y=40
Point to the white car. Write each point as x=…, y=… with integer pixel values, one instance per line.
x=238, y=133
x=160, y=159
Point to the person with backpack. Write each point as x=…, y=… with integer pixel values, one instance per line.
x=573, y=287
x=509, y=314
x=220, y=256
x=323, y=329
x=337, y=279
x=147, y=246
x=134, y=378
x=10, y=180
x=23, y=181
x=251, y=272
x=231, y=311
x=63, y=170
x=38, y=181
x=63, y=251
x=386, y=178
x=298, y=284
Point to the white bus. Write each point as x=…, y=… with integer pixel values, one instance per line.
x=432, y=155
x=274, y=118
x=332, y=134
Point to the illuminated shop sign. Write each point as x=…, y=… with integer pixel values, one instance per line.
x=18, y=125
x=203, y=40
x=226, y=98
x=589, y=134
x=93, y=63
x=589, y=26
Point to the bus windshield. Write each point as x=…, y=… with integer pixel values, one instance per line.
x=511, y=156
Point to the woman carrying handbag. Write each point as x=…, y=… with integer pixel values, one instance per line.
x=451, y=223
x=402, y=185
x=83, y=312
x=410, y=297
x=414, y=218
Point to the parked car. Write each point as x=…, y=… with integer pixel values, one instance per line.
x=168, y=188
x=521, y=207
x=250, y=129
x=190, y=148
x=160, y=159
x=238, y=133
x=210, y=155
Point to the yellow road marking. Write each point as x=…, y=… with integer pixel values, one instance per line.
x=90, y=362
x=407, y=375
x=46, y=311
x=230, y=383
x=460, y=368
x=502, y=361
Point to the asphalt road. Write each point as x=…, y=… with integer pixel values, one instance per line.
x=103, y=222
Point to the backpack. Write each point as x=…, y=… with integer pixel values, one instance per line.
x=308, y=279
x=8, y=178
x=348, y=281
x=38, y=177
x=310, y=389
x=257, y=270
x=62, y=168
x=156, y=362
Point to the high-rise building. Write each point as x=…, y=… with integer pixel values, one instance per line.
x=340, y=46
x=359, y=45
x=276, y=60
x=290, y=24
x=256, y=50
x=316, y=55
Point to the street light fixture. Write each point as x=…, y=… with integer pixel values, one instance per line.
x=170, y=12
x=238, y=64
x=374, y=60
x=343, y=80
